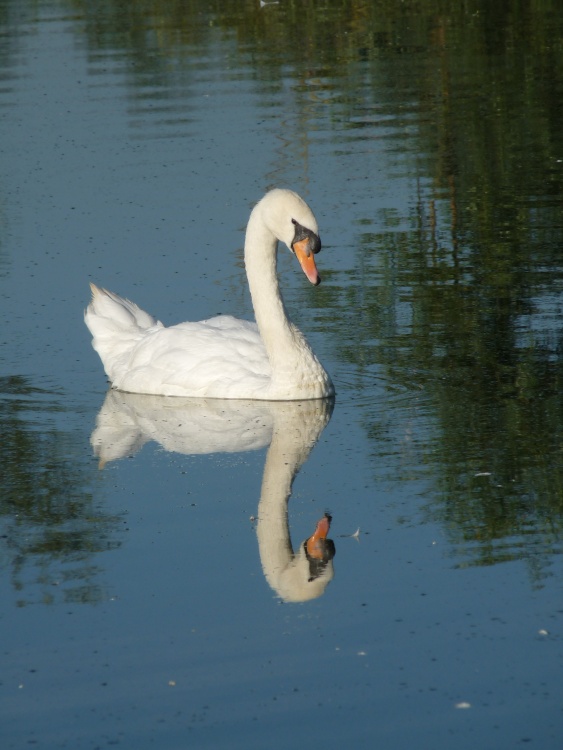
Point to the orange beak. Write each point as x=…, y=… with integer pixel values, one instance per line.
x=315, y=546
x=307, y=261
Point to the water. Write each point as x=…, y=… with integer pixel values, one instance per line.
x=146, y=580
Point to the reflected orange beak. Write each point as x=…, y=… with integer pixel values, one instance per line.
x=315, y=546
x=307, y=261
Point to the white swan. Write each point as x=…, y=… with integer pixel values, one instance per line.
x=291, y=429
x=222, y=357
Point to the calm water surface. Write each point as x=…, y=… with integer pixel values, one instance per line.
x=154, y=587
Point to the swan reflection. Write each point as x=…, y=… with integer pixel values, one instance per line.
x=198, y=426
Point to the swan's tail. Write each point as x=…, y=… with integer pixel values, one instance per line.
x=116, y=325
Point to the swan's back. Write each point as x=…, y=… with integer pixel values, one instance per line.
x=205, y=358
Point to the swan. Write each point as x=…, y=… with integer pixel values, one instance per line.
x=290, y=431
x=222, y=357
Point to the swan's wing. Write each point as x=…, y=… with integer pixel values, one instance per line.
x=220, y=356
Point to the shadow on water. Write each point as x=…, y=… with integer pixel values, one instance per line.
x=200, y=426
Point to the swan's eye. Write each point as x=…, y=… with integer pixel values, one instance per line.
x=302, y=233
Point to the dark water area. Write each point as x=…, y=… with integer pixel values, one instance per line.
x=155, y=588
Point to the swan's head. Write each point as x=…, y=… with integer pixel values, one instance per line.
x=292, y=221
x=311, y=569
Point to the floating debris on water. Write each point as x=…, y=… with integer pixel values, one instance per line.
x=355, y=535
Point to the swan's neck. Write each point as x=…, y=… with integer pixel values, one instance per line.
x=260, y=257
x=290, y=356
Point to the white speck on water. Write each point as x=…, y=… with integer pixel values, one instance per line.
x=355, y=535
x=463, y=704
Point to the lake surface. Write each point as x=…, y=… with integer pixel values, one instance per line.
x=155, y=592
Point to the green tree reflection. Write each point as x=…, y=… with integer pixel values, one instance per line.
x=50, y=529
x=480, y=271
